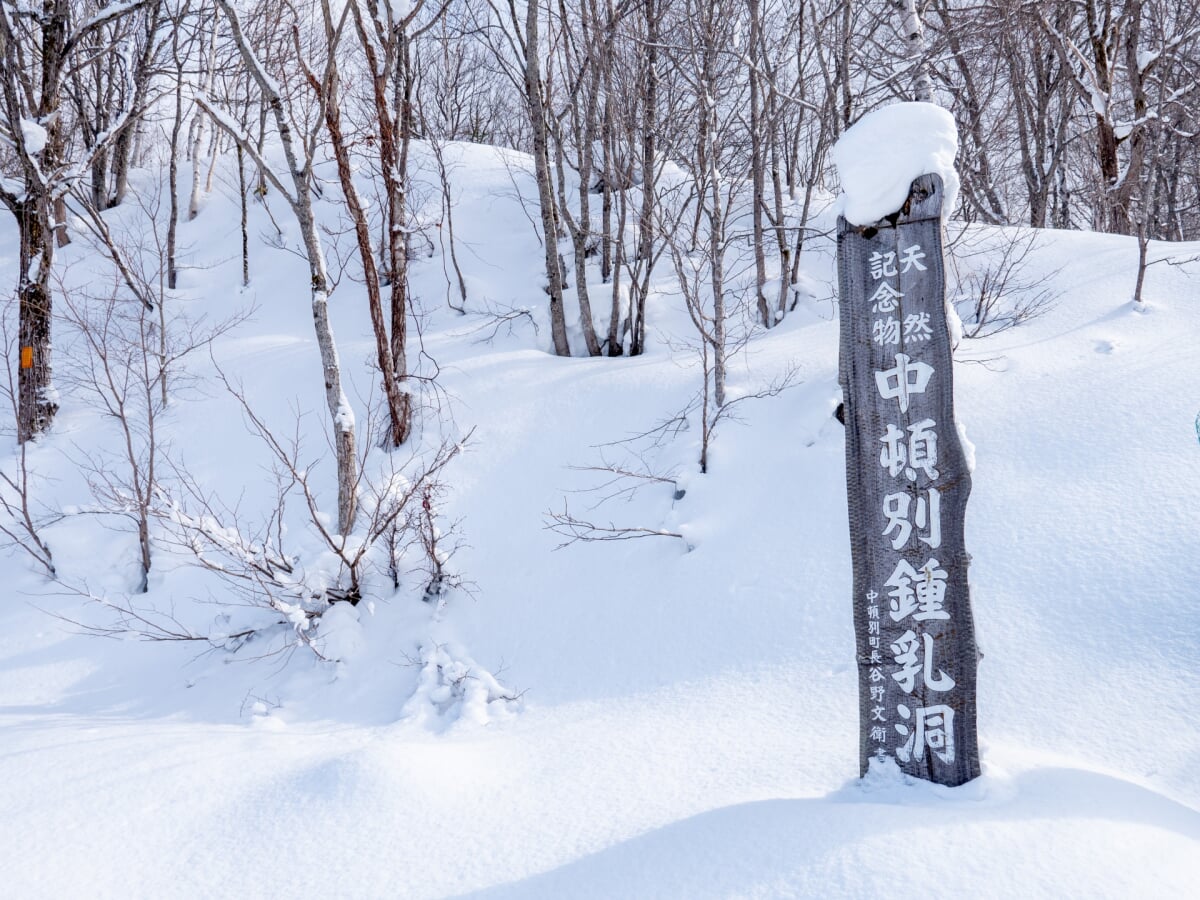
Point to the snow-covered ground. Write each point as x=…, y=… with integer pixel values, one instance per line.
x=687, y=719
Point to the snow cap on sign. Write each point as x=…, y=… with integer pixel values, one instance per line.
x=880, y=155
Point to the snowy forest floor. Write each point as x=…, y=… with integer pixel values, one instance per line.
x=687, y=717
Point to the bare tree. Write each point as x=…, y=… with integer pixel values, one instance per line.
x=996, y=286
x=527, y=40
x=258, y=559
x=295, y=187
x=715, y=164
x=327, y=86
x=642, y=266
x=130, y=360
x=1133, y=64
x=39, y=45
x=912, y=32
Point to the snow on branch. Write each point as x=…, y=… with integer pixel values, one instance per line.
x=103, y=16
x=273, y=95
x=232, y=128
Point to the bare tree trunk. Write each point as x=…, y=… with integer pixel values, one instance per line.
x=978, y=182
x=716, y=213
x=606, y=191
x=844, y=58
x=583, y=126
x=388, y=55
x=617, y=330
x=395, y=182
x=913, y=33
x=781, y=241
x=397, y=402
x=300, y=172
x=41, y=46
x=541, y=162
x=173, y=165
x=198, y=130
x=1143, y=242
x=36, y=209
x=448, y=218
x=241, y=163
x=757, y=166
x=124, y=144
x=36, y=405
x=646, y=224
x=612, y=246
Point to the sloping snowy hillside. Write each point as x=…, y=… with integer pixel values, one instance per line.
x=668, y=716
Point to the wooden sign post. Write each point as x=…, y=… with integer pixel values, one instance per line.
x=908, y=481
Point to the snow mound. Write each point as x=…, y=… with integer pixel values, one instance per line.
x=880, y=155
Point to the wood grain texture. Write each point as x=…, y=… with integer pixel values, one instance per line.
x=923, y=657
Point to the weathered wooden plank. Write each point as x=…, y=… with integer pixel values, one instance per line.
x=908, y=482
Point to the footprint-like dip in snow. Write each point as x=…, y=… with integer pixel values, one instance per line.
x=1106, y=346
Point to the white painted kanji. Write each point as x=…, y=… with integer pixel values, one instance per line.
x=916, y=451
x=910, y=258
x=931, y=727
x=921, y=594
x=886, y=299
x=922, y=449
x=928, y=514
x=894, y=455
x=886, y=331
x=882, y=264
x=917, y=327
x=907, y=378
x=914, y=656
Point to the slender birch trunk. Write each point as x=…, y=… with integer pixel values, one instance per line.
x=757, y=165
x=646, y=225
x=913, y=33
x=397, y=402
x=199, y=130
x=541, y=162
x=299, y=166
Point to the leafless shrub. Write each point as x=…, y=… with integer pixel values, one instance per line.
x=567, y=525
x=626, y=468
x=273, y=570
x=437, y=545
x=129, y=358
x=129, y=620
x=729, y=411
x=996, y=286
x=623, y=479
x=496, y=318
